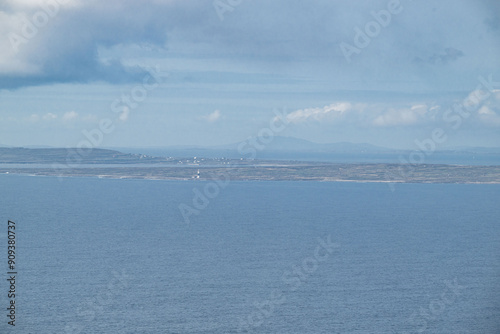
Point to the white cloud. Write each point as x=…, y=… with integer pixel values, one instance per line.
x=403, y=116
x=395, y=117
x=367, y=114
x=70, y=115
x=33, y=118
x=12, y=63
x=331, y=111
x=488, y=116
x=49, y=116
x=215, y=116
x=125, y=114
x=496, y=92
x=489, y=112
x=475, y=98
x=419, y=109
x=484, y=110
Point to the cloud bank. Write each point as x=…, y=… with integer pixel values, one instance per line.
x=387, y=115
x=60, y=40
x=434, y=43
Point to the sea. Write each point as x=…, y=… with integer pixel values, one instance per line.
x=140, y=256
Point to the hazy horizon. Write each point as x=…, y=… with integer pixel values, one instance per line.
x=233, y=145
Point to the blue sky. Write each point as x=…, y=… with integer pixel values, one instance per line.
x=177, y=72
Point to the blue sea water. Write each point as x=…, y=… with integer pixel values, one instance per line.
x=116, y=256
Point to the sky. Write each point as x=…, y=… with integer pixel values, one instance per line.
x=157, y=73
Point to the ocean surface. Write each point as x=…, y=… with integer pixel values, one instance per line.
x=117, y=256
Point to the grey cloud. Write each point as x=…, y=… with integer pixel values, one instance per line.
x=66, y=49
x=281, y=33
x=443, y=58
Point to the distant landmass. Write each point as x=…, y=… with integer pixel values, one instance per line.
x=21, y=155
x=277, y=146
x=291, y=144
x=114, y=164
x=289, y=148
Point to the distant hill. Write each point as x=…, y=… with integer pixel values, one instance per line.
x=62, y=155
x=280, y=148
x=289, y=148
x=291, y=144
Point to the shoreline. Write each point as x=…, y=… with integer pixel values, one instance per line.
x=112, y=177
